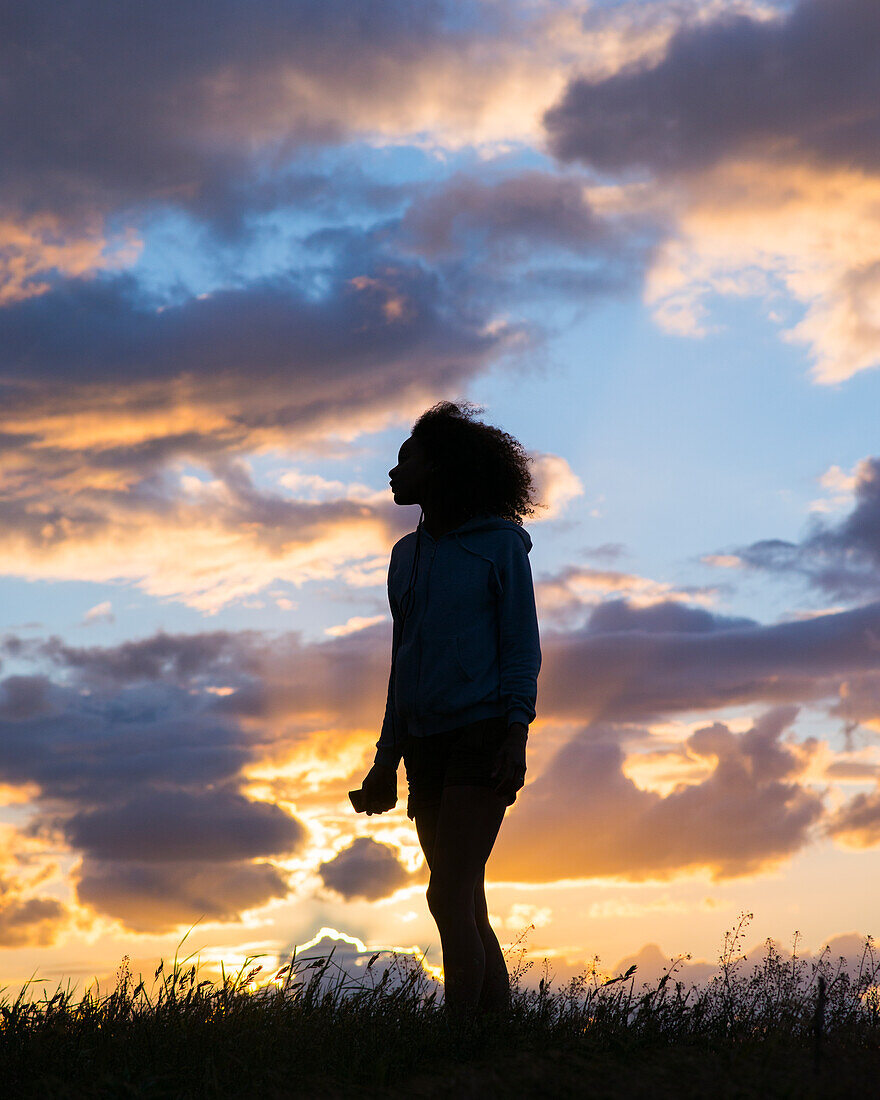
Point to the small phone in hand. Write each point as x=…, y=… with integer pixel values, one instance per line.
x=359, y=800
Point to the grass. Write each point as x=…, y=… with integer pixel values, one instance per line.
x=782, y=1028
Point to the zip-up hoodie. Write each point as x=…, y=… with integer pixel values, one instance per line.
x=465, y=640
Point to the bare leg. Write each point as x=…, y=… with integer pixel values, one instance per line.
x=495, y=991
x=457, y=842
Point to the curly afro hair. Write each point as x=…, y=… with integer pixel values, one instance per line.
x=485, y=470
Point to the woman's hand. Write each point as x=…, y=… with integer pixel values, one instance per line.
x=509, y=773
x=380, y=789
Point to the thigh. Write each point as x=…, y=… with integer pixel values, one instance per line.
x=425, y=818
x=467, y=824
x=473, y=757
x=426, y=760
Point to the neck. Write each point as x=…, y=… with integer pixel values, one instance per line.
x=440, y=521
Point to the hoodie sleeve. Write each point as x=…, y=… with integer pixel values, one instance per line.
x=518, y=642
x=387, y=748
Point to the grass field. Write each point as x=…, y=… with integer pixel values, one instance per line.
x=783, y=1028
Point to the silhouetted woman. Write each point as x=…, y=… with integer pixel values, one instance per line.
x=464, y=669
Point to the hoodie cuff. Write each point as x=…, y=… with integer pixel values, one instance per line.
x=387, y=756
x=521, y=716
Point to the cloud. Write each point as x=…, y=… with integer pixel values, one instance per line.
x=519, y=238
x=94, y=372
x=802, y=84
x=112, y=390
x=208, y=681
x=354, y=624
x=239, y=537
x=25, y=697
x=857, y=822
x=564, y=596
x=178, y=659
x=365, y=869
x=181, y=109
x=28, y=917
x=350, y=959
x=841, y=560
x=29, y=921
x=153, y=757
x=157, y=897
x=839, y=487
x=775, y=230
x=761, y=135
x=583, y=817
x=171, y=95
x=509, y=215
x=664, y=617
x=556, y=484
x=33, y=246
x=176, y=826
x=105, y=329
x=126, y=424
x=102, y=612
x=634, y=674
x=629, y=661
x=145, y=780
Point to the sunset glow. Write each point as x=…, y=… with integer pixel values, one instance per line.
x=226, y=290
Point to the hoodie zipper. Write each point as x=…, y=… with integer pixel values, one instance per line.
x=422, y=623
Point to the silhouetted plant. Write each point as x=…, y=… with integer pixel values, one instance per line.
x=311, y=1018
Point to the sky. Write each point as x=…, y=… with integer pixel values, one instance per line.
x=242, y=246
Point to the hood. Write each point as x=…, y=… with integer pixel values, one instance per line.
x=492, y=523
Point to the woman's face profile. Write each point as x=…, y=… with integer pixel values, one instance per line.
x=409, y=478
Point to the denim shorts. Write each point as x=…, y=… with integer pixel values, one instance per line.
x=461, y=757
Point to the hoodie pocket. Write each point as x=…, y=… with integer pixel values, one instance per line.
x=474, y=652
x=441, y=679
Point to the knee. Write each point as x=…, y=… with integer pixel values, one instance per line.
x=481, y=919
x=438, y=900
x=448, y=900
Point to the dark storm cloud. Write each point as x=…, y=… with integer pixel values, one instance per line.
x=163, y=678
x=627, y=663
x=155, y=897
x=171, y=658
x=638, y=673
x=142, y=778
x=806, y=84
x=841, y=560
x=116, y=103
x=506, y=217
x=665, y=617
x=99, y=748
x=365, y=869
x=525, y=235
x=313, y=348
x=25, y=697
x=168, y=826
x=584, y=817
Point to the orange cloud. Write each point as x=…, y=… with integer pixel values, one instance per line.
x=563, y=597
x=33, y=247
x=754, y=228
x=584, y=818
x=28, y=917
